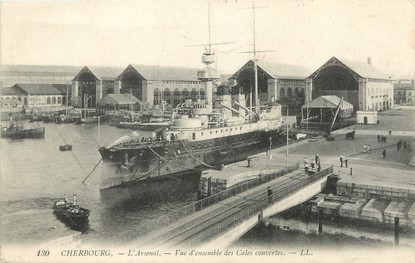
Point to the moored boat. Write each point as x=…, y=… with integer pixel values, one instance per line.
x=18, y=131
x=66, y=147
x=70, y=212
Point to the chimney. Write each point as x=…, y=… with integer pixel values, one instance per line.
x=369, y=60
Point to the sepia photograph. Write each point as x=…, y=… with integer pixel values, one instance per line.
x=207, y=131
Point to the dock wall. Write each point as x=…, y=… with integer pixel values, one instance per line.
x=373, y=191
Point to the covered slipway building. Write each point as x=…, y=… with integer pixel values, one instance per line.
x=360, y=84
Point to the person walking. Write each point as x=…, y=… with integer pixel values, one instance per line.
x=384, y=139
x=345, y=161
x=369, y=148
x=364, y=148
x=269, y=193
x=317, y=159
x=383, y=153
x=378, y=138
x=341, y=161
x=390, y=132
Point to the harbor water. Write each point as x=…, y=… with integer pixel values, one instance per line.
x=34, y=174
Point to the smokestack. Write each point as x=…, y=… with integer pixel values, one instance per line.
x=369, y=60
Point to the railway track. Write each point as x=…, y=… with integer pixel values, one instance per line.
x=187, y=233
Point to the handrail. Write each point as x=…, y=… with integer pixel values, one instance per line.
x=254, y=209
x=174, y=216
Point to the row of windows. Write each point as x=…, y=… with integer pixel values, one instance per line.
x=378, y=91
x=290, y=94
x=217, y=131
x=177, y=96
x=175, y=82
x=404, y=93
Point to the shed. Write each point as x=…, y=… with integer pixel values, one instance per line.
x=120, y=101
x=323, y=109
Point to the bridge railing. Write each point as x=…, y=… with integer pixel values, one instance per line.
x=174, y=216
x=254, y=209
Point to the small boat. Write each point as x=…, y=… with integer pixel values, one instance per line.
x=15, y=131
x=66, y=147
x=70, y=212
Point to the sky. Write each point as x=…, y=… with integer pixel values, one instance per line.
x=173, y=32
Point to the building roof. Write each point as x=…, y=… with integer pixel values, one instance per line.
x=13, y=101
x=330, y=101
x=277, y=71
x=64, y=88
x=39, y=70
x=404, y=86
x=148, y=72
x=100, y=73
x=7, y=91
x=364, y=70
x=39, y=89
x=110, y=100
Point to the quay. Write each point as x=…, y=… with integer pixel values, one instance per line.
x=220, y=219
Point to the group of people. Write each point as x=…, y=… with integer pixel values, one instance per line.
x=381, y=138
x=343, y=160
x=367, y=148
x=401, y=145
x=313, y=165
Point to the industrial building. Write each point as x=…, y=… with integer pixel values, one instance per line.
x=36, y=95
x=360, y=84
x=92, y=83
x=404, y=92
x=36, y=74
x=155, y=84
x=275, y=81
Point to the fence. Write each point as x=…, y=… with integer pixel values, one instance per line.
x=253, y=209
x=165, y=220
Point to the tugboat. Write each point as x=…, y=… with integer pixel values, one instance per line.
x=17, y=131
x=70, y=212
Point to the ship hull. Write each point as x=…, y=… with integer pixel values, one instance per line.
x=162, y=160
x=37, y=133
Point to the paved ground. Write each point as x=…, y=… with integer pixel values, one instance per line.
x=393, y=170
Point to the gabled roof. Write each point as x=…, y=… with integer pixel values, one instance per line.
x=39, y=89
x=404, y=86
x=39, y=70
x=64, y=88
x=7, y=91
x=329, y=101
x=118, y=99
x=277, y=71
x=100, y=73
x=13, y=101
x=364, y=70
x=162, y=73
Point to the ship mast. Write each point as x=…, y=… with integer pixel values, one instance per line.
x=208, y=75
x=255, y=64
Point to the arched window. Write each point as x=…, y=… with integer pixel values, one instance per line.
x=156, y=96
x=185, y=94
x=202, y=94
x=59, y=100
x=289, y=93
x=194, y=94
x=48, y=100
x=167, y=96
x=54, y=100
x=296, y=92
x=282, y=93
x=176, y=96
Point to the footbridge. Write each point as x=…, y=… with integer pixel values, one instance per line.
x=219, y=220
